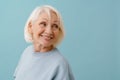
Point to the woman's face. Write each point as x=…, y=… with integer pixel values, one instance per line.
x=45, y=30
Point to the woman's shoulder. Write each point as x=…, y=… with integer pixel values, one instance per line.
x=27, y=50
x=60, y=59
x=29, y=47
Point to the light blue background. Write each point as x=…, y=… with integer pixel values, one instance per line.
x=91, y=45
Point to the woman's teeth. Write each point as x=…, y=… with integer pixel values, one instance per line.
x=47, y=37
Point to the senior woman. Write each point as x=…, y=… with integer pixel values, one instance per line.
x=42, y=60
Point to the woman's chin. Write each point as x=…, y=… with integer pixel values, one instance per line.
x=45, y=44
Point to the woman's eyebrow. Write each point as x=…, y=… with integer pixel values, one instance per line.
x=56, y=21
x=45, y=19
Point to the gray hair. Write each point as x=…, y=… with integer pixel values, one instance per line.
x=34, y=15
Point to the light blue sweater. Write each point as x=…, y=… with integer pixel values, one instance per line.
x=42, y=66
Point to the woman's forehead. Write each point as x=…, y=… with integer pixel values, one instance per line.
x=49, y=16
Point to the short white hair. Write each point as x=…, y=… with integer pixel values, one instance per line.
x=35, y=14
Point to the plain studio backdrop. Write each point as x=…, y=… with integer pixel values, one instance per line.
x=91, y=44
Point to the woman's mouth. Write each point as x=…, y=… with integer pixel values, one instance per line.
x=47, y=37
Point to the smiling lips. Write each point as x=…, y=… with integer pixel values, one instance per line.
x=47, y=37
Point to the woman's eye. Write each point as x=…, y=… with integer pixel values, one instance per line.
x=43, y=24
x=55, y=26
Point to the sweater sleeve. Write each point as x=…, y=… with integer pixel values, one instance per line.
x=19, y=62
x=63, y=72
x=17, y=68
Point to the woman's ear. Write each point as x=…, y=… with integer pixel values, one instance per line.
x=30, y=27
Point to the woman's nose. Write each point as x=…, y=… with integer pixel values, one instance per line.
x=48, y=30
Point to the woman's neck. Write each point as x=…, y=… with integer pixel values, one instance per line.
x=40, y=48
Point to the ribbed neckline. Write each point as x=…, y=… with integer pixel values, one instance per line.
x=43, y=53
